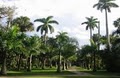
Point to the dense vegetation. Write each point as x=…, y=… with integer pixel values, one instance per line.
x=20, y=51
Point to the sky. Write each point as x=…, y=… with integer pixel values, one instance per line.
x=69, y=13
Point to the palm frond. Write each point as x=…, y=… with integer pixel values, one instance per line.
x=84, y=23
x=38, y=28
x=87, y=27
x=109, y=9
x=40, y=20
x=42, y=29
x=113, y=5
x=53, y=22
x=95, y=5
x=51, y=29
x=49, y=17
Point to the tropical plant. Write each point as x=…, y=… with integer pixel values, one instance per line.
x=31, y=46
x=52, y=48
x=46, y=26
x=8, y=42
x=61, y=41
x=106, y=5
x=94, y=46
x=69, y=51
x=91, y=24
x=86, y=56
x=23, y=23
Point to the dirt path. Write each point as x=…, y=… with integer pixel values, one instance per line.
x=78, y=73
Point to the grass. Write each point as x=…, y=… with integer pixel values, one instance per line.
x=51, y=73
x=60, y=77
x=37, y=72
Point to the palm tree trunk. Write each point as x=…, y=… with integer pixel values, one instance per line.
x=50, y=63
x=98, y=35
x=19, y=62
x=30, y=63
x=90, y=33
x=94, y=65
x=66, y=65
x=63, y=65
x=4, y=68
x=59, y=63
x=91, y=61
x=45, y=38
x=107, y=31
x=43, y=65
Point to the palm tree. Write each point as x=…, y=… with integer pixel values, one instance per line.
x=91, y=24
x=106, y=5
x=46, y=26
x=95, y=42
x=69, y=51
x=31, y=46
x=52, y=46
x=23, y=23
x=61, y=41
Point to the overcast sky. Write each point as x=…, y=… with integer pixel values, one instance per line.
x=69, y=13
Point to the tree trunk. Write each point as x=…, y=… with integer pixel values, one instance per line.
x=98, y=35
x=91, y=61
x=94, y=65
x=56, y=64
x=43, y=63
x=66, y=65
x=50, y=63
x=45, y=38
x=4, y=68
x=19, y=61
x=59, y=63
x=107, y=31
x=29, y=63
x=90, y=33
x=63, y=65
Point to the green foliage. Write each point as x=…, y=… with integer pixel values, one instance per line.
x=106, y=5
x=111, y=59
x=117, y=25
x=23, y=23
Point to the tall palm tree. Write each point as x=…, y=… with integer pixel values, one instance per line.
x=46, y=26
x=91, y=24
x=106, y=5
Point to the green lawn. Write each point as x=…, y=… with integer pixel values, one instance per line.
x=54, y=76
x=36, y=72
x=51, y=73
